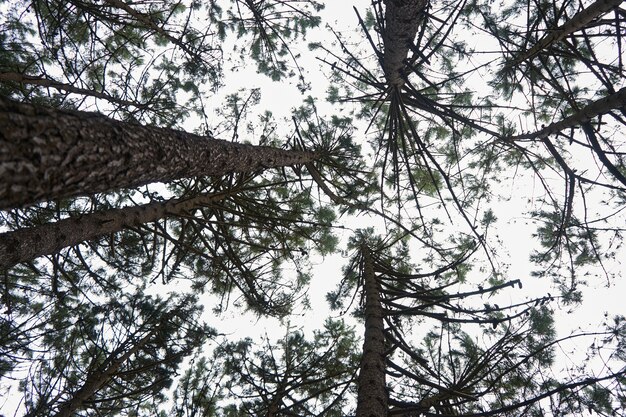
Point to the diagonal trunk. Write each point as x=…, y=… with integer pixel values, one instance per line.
x=48, y=153
x=26, y=244
x=401, y=25
x=576, y=23
x=372, y=395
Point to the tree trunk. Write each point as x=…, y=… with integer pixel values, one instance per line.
x=602, y=106
x=26, y=244
x=402, y=18
x=48, y=153
x=372, y=394
x=576, y=23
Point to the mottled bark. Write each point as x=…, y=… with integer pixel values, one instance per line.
x=402, y=20
x=49, y=153
x=29, y=243
x=372, y=394
x=96, y=379
x=576, y=23
x=604, y=105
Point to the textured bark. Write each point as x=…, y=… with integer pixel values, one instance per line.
x=97, y=379
x=401, y=24
x=604, y=105
x=372, y=395
x=26, y=244
x=49, y=153
x=576, y=23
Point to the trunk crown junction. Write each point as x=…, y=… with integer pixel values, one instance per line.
x=402, y=20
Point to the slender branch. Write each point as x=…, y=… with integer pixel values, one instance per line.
x=601, y=106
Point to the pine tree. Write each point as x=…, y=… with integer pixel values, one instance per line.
x=451, y=371
x=239, y=245
x=459, y=100
x=435, y=136
x=142, y=28
x=401, y=23
x=426, y=169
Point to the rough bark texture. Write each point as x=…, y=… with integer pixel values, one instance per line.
x=401, y=24
x=576, y=23
x=614, y=101
x=29, y=243
x=372, y=395
x=49, y=153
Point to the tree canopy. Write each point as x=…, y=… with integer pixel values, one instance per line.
x=462, y=159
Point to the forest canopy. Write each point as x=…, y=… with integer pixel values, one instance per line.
x=419, y=206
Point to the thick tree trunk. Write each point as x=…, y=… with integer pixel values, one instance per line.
x=372, y=395
x=49, y=153
x=604, y=105
x=576, y=23
x=26, y=244
x=402, y=20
